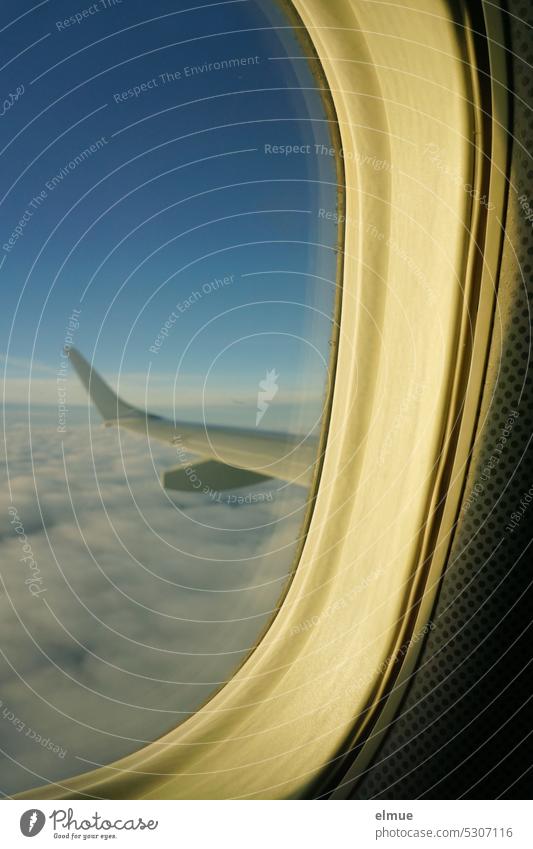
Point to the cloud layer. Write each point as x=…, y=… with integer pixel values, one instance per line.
x=147, y=601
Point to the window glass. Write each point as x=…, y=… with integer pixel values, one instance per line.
x=168, y=211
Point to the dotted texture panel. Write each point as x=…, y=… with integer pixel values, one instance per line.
x=463, y=728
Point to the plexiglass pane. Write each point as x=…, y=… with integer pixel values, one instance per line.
x=169, y=211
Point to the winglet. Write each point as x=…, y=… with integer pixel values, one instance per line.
x=107, y=402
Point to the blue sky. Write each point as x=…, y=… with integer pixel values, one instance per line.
x=178, y=193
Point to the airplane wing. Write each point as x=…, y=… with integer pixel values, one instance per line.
x=228, y=457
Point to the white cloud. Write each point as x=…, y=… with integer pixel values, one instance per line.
x=152, y=604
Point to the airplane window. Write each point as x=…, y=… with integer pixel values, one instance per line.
x=169, y=269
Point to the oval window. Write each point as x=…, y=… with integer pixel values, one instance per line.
x=169, y=263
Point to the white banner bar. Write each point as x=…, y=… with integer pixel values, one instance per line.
x=269, y=825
